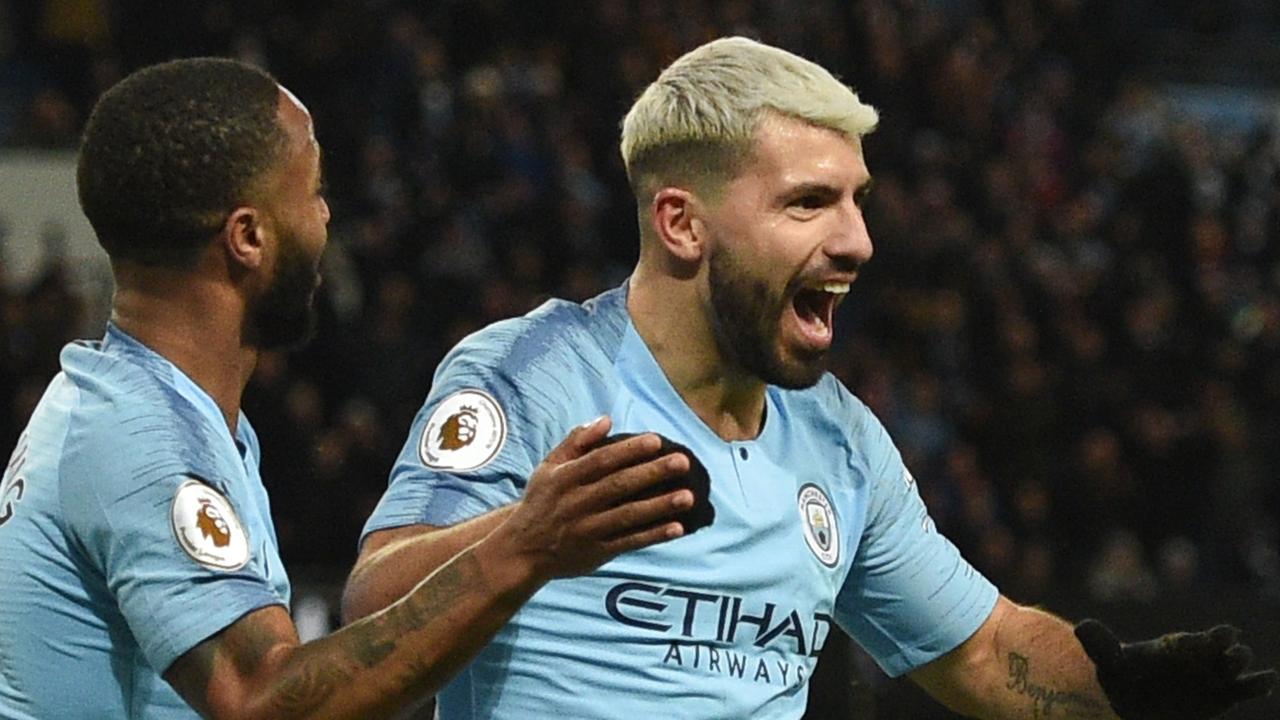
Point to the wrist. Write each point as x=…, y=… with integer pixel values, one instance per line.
x=513, y=575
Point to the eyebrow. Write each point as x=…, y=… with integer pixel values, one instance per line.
x=810, y=188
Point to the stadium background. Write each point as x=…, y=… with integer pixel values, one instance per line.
x=1071, y=326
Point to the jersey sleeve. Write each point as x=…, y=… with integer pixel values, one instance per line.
x=474, y=443
x=909, y=596
x=119, y=497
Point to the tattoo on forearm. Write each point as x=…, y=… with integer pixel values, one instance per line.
x=1045, y=700
x=373, y=647
x=250, y=648
x=366, y=645
x=309, y=687
x=386, y=631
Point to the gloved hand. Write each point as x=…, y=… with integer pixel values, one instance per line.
x=1179, y=676
x=703, y=513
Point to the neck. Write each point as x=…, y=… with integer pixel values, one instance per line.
x=682, y=341
x=194, y=323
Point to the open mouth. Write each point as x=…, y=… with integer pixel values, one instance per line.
x=815, y=307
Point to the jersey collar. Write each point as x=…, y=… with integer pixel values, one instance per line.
x=119, y=343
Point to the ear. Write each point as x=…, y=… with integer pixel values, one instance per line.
x=244, y=238
x=676, y=224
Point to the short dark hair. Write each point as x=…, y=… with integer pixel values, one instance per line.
x=170, y=151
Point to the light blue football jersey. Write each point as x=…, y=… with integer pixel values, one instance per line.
x=132, y=527
x=818, y=525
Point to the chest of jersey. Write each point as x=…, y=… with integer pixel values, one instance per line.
x=735, y=613
x=764, y=576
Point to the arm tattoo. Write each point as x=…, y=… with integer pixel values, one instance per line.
x=308, y=687
x=1044, y=700
x=249, y=648
x=387, y=630
x=316, y=672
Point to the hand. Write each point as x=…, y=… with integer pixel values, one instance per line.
x=697, y=480
x=1179, y=676
x=585, y=505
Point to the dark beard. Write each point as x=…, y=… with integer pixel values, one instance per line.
x=746, y=320
x=284, y=315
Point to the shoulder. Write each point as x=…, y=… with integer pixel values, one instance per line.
x=117, y=399
x=557, y=331
x=530, y=378
x=128, y=428
x=560, y=343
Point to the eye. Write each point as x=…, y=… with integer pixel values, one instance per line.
x=807, y=204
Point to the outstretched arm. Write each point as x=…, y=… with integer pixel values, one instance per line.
x=578, y=511
x=1021, y=663
x=392, y=561
x=1024, y=662
x=256, y=668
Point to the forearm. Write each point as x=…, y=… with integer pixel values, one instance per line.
x=580, y=509
x=1024, y=663
x=1045, y=671
x=402, y=654
x=383, y=574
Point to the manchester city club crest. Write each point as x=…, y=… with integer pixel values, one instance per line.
x=819, y=522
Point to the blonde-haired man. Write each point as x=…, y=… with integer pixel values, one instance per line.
x=748, y=170
x=697, y=123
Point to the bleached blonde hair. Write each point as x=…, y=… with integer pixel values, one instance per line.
x=694, y=125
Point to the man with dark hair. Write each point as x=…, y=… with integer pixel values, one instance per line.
x=156, y=192
x=136, y=543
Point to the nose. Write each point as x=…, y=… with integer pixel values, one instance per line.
x=849, y=245
x=324, y=210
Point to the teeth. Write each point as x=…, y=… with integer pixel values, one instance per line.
x=835, y=288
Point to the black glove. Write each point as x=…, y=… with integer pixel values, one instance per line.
x=697, y=480
x=1179, y=676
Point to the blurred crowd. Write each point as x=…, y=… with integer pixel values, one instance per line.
x=1071, y=325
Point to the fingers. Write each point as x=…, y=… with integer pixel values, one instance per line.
x=597, y=495
x=628, y=482
x=1100, y=644
x=612, y=457
x=643, y=538
x=1236, y=659
x=1256, y=684
x=1224, y=636
x=645, y=513
x=580, y=440
x=1185, y=674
